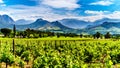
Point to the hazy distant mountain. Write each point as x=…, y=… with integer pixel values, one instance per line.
x=80, y=24
x=112, y=27
x=23, y=22
x=5, y=19
x=110, y=24
x=101, y=21
x=35, y=25
x=74, y=23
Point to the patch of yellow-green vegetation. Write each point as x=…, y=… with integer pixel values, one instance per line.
x=60, y=38
x=61, y=52
x=48, y=38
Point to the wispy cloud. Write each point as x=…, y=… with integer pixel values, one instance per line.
x=96, y=12
x=102, y=2
x=2, y=3
x=102, y=14
x=27, y=12
x=114, y=15
x=67, y=4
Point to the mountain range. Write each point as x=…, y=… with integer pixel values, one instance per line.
x=66, y=25
x=23, y=22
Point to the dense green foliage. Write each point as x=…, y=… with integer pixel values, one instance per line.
x=6, y=31
x=82, y=53
x=31, y=33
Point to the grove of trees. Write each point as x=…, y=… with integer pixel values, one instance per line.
x=31, y=33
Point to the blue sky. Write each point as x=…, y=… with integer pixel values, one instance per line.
x=88, y=10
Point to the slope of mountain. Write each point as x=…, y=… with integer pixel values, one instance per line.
x=101, y=21
x=48, y=27
x=55, y=26
x=5, y=19
x=58, y=24
x=23, y=22
x=110, y=24
x=74, y=23
x=113, y=27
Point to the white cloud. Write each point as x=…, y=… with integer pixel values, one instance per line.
x=1, y=1
x=47, y=13
x=114, y=15
x=3, y=12
x=67, y=4
x=96, y=12
x=103, y=3
x=35, y=12
x=26, y=12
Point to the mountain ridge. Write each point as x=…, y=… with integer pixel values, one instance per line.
x=23, y=22
x=103, y=25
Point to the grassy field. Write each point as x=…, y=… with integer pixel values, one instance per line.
x=59, y=53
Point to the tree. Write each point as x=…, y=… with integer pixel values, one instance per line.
x=58, y=35
x=6, y=31
x=97, y=35
x=81, y=35
x=28, y=32
x=107, y=35
x=14, y=31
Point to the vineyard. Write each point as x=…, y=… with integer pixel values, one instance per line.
x=46, y=53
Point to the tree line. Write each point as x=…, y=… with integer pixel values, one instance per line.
x=31, y=33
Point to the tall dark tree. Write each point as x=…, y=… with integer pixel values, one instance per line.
x=14, y=34
x=14, y=30
x=58, y=35
x=6, y=31
x=107, y=35
x=81, y=35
